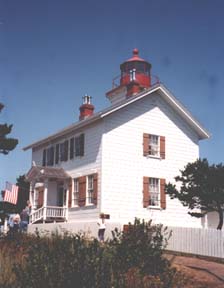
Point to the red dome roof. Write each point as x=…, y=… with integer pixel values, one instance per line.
x=135, y=56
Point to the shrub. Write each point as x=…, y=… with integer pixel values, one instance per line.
x=141, y=248
x=61, y=261
x=131, y=259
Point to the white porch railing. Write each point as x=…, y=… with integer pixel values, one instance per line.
x=37, y=215
x=56, y=212
x=44, y=213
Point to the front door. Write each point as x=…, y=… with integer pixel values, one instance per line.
x=61, y=195
x=40, y=198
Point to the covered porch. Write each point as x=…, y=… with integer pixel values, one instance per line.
x=49, y=194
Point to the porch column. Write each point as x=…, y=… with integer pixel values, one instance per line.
x=45, y=200
x=34, y=207
x=66, y=205
x=31, y=196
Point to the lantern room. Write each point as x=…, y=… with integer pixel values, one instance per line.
x=135, y=76
x=135, y=69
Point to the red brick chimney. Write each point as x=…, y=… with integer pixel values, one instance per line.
x=86, y=109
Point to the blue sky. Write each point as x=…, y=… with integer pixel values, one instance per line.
x=52, y=52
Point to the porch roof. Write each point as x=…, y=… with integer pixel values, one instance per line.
x=40, y=172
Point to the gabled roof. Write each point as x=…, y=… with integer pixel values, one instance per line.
x=40, y=172
x=159, y=88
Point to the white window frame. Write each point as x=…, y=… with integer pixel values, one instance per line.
x=154, y=146
x=89, y=189
x=75, y=194
x=154, y=192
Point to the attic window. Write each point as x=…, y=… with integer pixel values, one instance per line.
x=79, y=145
x=50, y=156
x=64, y=151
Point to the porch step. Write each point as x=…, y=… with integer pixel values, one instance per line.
x=50, y=220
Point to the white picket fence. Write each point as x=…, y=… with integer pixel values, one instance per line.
x=206, y=242
x=198, y=241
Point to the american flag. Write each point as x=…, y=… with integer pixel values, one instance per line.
x=11, y=193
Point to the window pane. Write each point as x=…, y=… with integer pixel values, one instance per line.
x=79, y=145
x=82, y=144
x=50, y=156
x=62, y=154
x=76, y=192
x=71, y=148
x=154, y=145
x=154, y=191
x=90, y=190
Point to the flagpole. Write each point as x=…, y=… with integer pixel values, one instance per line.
x=5, y=219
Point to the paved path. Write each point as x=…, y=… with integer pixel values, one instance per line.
x=213, y=268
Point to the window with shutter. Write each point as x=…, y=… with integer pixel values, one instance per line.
x=154, y=193
x=95, y=188
x=154, y=146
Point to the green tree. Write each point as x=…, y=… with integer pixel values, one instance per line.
x=202, y=187
x=23, y=192
x=6, y=144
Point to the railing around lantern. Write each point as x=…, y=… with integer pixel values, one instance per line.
x=116, y=81
x=49, y=212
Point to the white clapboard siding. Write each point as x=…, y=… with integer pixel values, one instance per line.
x=206, y=242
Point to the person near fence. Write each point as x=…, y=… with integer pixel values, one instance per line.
x=28, y=207
x=16, y=223
x=102, y=227
x=24, y=220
